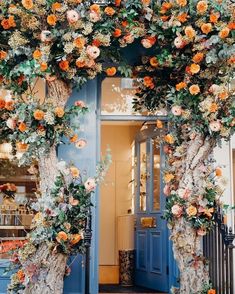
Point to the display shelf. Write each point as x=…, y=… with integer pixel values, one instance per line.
x=13, y=228
x=12, y=239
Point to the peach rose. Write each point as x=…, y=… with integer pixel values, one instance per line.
x=169, y=139
x=43, y=66
x=75, y=238
x=191, y=210
x=74, y=172
x=177, y=210
x=109, y=11
x=218, y=172
x=181, y=3
x=180, y=86
x=72, y=16
x=56, y=6
x=190, y=32
x=28, y=4
x=211, y=291
x=194, y=68
x=79, y=42
x=117, y=33
x=198, y=57
x=214, y=17
x=61, y=237
x=182, y=17
x=206, y=28
x=51, y=20
x=3, y=55
x=224, y=33
x=94, y=17
x=213, y=107
x=22, y=127
x=59, y=112
x=148, y=82
x=194, y=89
x=39, y=114
x=202, y=7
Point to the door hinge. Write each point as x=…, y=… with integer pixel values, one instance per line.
x=167, y=270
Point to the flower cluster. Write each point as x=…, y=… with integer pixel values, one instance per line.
x=8, y=189
x=33, y=129
x=67, y=39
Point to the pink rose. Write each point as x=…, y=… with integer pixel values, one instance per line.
x=179, y=42
x=11, y=123
x=72, y=16
x=176, y=110
x=81, y=143
x=215, y=126
x=45, y=36
x=128, y=39
x=90, y=184
x=93, y=51
x=214, y=88
x=80, y=103
x=94, y=17
x=146, y=43
x=177, y=210
x=167, y=190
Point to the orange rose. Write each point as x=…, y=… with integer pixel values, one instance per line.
x=202, y=7
x=213, y=107
x=22, y=127
x=9, y=105
x=37, y=54
x=95, y=8
x=109, y=11
x=21, y=276
x=117, y=3
x=154, y=62
x=148, y=82
x=168, y=177
x=231, y=25
x=190, y=32
x=111, y=71
x=75, y=172
x=22, y=147
x=198, y=57
x=75, y=238
x=180, y=86
x=28, y=4
x=218, y=172
x=59, y=112
x=8, y=23
x=146, y=2
x=206, y=28
x=224, y=33
x=117, y=33
x=211, y=291
x=39, y=114
x=61, y=236
x=159, y=124
x=51, y=20
x=74, y=138
x=80, y=63
x=79, y=42
x=214, y=17
x=3, y=55
x=2, y=103
x=169, y=139
x=64, y=65
x=182, y=17
x=166, y=5
x=56, y=6
x=43, y=66
x=194, y=89
x=194, y=68
x=223, y=95
x=181, y=3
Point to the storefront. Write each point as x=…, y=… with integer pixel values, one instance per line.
x=133, y=188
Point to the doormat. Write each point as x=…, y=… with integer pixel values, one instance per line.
x=121, y=289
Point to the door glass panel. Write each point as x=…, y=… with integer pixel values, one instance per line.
x=156, y=177
x=143, y=176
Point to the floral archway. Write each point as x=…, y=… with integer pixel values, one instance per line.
x=186, y=69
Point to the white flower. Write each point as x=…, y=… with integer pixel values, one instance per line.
x=179, y=42
x=62, y=167
x=90, y=184
x=45, y=36
x=81, y=143
x=146, y=43
x=215, y=126
x=94, y=17
x=11, y=123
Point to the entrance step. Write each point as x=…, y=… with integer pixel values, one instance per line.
x=116, y=289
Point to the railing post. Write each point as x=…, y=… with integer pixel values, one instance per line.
x=87, y=243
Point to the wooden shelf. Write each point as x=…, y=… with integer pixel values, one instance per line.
x=12, y=227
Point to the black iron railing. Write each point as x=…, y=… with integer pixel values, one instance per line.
x=218, y=247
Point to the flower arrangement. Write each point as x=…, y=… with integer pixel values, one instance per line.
x=33, y=128
x=8, y=189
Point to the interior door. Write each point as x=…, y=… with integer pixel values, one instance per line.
x=151, y=230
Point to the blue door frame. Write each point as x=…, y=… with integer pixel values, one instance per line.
x=86, y=160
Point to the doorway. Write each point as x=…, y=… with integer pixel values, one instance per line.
x=131, y=209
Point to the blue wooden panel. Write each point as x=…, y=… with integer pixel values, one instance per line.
x=156, y=252
x=85, y=159
x=141, y=251
x=4, y=279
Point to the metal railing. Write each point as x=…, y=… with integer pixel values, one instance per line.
x=218, y=249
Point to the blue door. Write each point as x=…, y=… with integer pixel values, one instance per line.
x=151, y=230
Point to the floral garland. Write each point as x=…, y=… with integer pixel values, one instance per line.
x=33, y=129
